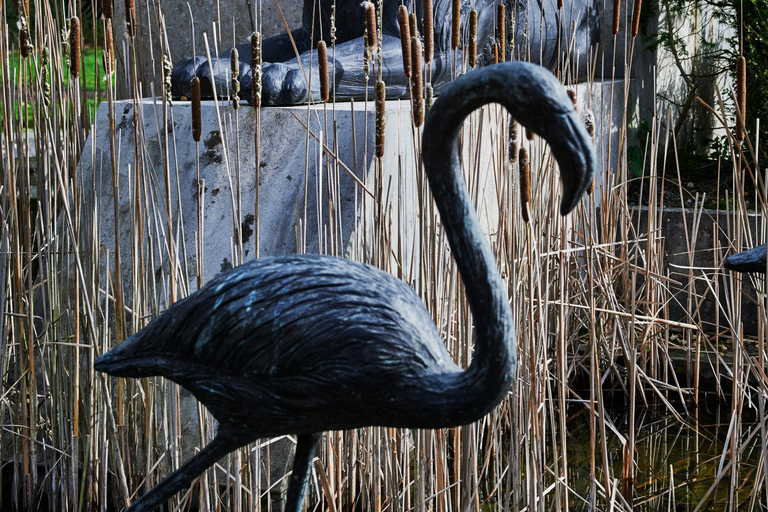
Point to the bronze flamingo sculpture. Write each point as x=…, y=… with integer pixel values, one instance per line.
x=304, y=344
x=752, y=260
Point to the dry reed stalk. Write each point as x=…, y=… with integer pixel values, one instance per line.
x=74, y=47
x=429, y=33
x=741, y=96
x=616, y=16
x=455, y=24
x=106, y=9
x=416, y=89
x=322, y=59
x=472, y=38
x=130, y=18
x=380, y=105
x=501, y=37
x=405, y=39
x=636, y=17
x=525, y=184
x=370, y=26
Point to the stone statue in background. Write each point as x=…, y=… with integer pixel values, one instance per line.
x=542, y=34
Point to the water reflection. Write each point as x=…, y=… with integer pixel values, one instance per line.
x=677, y=464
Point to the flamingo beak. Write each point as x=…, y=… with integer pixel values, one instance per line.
x=753, y=260
x=575, y=153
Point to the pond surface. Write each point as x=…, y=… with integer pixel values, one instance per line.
x=677, y=463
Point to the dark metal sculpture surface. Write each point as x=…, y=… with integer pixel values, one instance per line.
x=541, y=30
x=303, y=344
x=752, y=260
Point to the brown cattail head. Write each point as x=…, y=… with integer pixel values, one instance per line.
x=106, y=9
x=741, y=95
x=413, y=26
x=472, y=38
x=256, y=69
x=589, y=122
x=74, y=47
x=25, y=42
x=167, y=68
x=381, y=95
x=616, y=16
x=495, y=52
x=429, y=98
x=455, y=23
x=512, y=145
x=322, y=60
x=574, y=98
x=45, y=76
x=197, y=125
x=109, y=48
x=234, y=64
x=525, y=183
x=405, y=39
x=529, y=134
x=501, y=33
x=559, y=5
x=429, y=34
x=418, y=103
x=370, y=25
x=636, y=18
x=130, y=17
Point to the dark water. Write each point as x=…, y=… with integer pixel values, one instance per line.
x=676, y=463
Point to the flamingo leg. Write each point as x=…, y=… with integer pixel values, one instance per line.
x=221, y=445
x=302, y=465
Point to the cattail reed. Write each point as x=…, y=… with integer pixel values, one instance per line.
x=130, y=17
x=45, y=76
x=109, y=49
x=455, y=23
x=512, y=147
x=501, y=33
x=197, y=124
x=25, y=41
x=589, y=124
x=370, y=25
x=322, y=60
x=74, y=47
x=429, y=33
x=616, y=16
x=106, y=9
x=413, y=26
x=381, y=95
x=429, y=97
x=574, y=98
x=234, y=63
x=525, y=184
x=636, y=18
x=418, y=103
x=741, y=95
x=256, y=69
x=495, y=52
x=405, y=39
x=529, y=134
x=167, y=68
x=472, y=38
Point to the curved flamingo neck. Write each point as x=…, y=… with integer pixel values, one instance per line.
x=491, y=373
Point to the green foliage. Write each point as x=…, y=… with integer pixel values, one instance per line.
x=636, y=152
x=755, y=47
